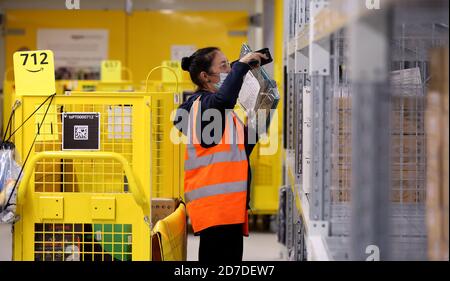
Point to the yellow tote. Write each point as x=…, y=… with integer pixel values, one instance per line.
x=172, y=235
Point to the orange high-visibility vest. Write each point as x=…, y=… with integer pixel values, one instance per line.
x=215, y=180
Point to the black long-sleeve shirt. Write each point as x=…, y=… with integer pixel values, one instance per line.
x=224, y=99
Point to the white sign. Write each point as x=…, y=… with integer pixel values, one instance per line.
x=81, y=131
x=177, y=52
x=73, y=4
x=406, y=76
x=373, y=4
x=249, y=92
x=75, y=48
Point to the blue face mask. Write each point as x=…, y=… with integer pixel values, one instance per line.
x=223, y=76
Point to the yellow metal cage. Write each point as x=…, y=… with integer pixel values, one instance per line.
x=78, y=205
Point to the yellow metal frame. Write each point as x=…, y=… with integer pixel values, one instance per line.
x=167, y=178
x=94, y=86
x=76, y=207
x=166, y=68
x=135, y=187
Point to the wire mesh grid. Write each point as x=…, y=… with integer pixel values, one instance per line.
x=158, y=131
x=408, y=145
x=408, y=154
x=341, y=138
x=82, y=242
x=410, y=49
x=341, y=120
x=76, y=175
x=408, y=158
x=76, y=235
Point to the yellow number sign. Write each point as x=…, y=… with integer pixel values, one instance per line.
x=34, y=72
x=111, y=71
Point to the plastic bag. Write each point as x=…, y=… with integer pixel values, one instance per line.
x=258, y=96
x=9, y=172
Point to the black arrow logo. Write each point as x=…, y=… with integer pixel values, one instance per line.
x=34, y=71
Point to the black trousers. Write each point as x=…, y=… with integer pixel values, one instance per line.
x=223, y=243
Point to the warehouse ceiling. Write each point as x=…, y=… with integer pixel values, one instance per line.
x=135, y=4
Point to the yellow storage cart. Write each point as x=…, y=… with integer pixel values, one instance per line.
x=94, y=205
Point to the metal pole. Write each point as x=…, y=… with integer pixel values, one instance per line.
x=369, y=47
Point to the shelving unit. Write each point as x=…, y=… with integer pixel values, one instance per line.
x=360, y=189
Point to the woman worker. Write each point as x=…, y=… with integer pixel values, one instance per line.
x=217, y=170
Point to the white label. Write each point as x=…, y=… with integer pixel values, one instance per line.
x=80, y=132
x=307, y=140
x=249, y=92
x=177, y=52
x=406, y=76
x=75, y=49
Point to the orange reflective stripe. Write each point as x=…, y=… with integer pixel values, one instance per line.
x=194, y=161
x=217, y=210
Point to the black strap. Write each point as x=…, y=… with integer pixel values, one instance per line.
x=31, y=115
x=31, y=147
x=9, y=123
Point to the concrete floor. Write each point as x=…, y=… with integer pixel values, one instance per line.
x=259, y=246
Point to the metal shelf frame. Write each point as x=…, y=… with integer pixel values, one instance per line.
x=332, y=45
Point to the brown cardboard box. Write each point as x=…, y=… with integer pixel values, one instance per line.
x=342, y=150
x=339, y=196
x=407, y=194
x=407, y=149
x=437, y=157
x=408, y=172
x=162, y=207
x=434, y=181
x=341, y=178
x=407, y=154
x=408, y=122
x=408, y=182
x=445, y=153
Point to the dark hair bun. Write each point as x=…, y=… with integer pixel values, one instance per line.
x=186, y=63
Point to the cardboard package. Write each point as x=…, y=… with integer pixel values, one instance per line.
x=437, y=117
x=162, y=207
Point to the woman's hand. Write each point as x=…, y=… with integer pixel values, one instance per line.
x=253, y=56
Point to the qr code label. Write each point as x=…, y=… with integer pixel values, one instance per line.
x=80, y=132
